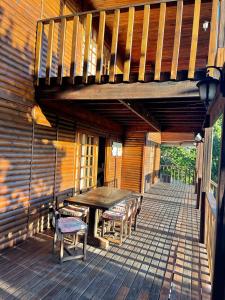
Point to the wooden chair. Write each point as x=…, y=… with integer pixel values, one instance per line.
x=69, y=227
x=71, y=210
x=120, y=214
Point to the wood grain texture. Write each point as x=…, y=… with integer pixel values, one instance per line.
x=62, y=50
x=73, y=64
x=159, y=50
x=144, y=43
x=177, y=37
x=129, y=40
x=49, y=52
x=100, y=45
x=88, y=32
x=194, y=40
x=113, y=54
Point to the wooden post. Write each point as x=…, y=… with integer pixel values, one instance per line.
x=176, y=46
x=101, y=34
x=213, y=36
x=159, y=50
x=62, y=50
x=74, y=49
x=130, y=27
x=88, y=30
x=207, y=157
x=49, y=52
x=112, y=68
x=194, y=39
x=221, y=40
x=218, y=288
x=144, y=43
x=38, y=51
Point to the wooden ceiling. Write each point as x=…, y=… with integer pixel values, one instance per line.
x=176, y=115
x=187, y=23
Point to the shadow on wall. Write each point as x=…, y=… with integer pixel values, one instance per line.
x=33, y=154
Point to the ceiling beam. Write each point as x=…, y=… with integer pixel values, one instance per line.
x=139, y=110
x=123, y=91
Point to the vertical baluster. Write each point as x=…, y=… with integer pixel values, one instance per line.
x=38, y=51
x=194, y=39
x=49, y=52
x=213, y=36
x=176, y=46
x=129, y=40
x=88, y=31
x=159, y=50
x=144, y=43
x=112, y=69
x=101, y=33
x=73, y=63
x=62, y=50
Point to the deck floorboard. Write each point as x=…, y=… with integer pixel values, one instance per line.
x=162, y=260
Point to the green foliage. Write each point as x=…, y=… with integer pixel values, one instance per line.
x=217, y=128
x=181, y=157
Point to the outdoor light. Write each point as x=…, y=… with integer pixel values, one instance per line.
x=198, y=138
x=208, y=86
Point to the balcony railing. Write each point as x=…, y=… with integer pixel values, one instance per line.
x=91, y=43
x=171, y=173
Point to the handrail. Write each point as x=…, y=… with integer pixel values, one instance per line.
x=214, y=188
x=171, y=173
x=59, y=54
x=110, y=10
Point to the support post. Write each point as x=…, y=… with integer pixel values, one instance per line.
x=218, y=288
x=206, y=174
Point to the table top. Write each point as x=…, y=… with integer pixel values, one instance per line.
x=101, y=197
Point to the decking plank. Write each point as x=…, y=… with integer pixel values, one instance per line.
x=162, y=259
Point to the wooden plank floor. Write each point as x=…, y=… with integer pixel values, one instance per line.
x=162, y=259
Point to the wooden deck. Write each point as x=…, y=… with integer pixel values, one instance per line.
x=162, y=260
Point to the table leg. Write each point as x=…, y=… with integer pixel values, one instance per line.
x=93, y=238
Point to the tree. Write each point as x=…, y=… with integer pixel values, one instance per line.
x=216, y=147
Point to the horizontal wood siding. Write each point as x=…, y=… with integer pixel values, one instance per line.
x=132, y=161
x=37, y=150
x=15, y=160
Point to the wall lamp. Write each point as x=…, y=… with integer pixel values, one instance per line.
x=208, y=86
x=198, y=138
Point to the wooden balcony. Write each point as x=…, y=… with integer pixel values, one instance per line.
x=162, y=259
x=159, y=48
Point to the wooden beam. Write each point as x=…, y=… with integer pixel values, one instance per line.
x=112, y=69
x=159, y=50
x=38, y=51
x=176, y=46
x=213, y=36
x=138, y=110
x=194, y=39
x=49, y=52
x=88, y=31
x=74, y=48
x=123, y=91
x=144, y=43
x=129, y=40
x=62, y=50
x=100, y=46
x=221, y=40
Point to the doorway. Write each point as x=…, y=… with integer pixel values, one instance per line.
x=101, y=161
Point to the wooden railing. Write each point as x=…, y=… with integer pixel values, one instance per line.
x=213, y=188
x=62, y=50
x=171, y=173
x=210, y=229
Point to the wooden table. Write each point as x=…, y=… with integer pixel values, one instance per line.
x=100, y=198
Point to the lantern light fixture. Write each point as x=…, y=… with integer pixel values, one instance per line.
x=208, y=87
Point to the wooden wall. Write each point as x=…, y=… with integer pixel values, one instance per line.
x=113, y=166
x=141, y=159
x=38, y=150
